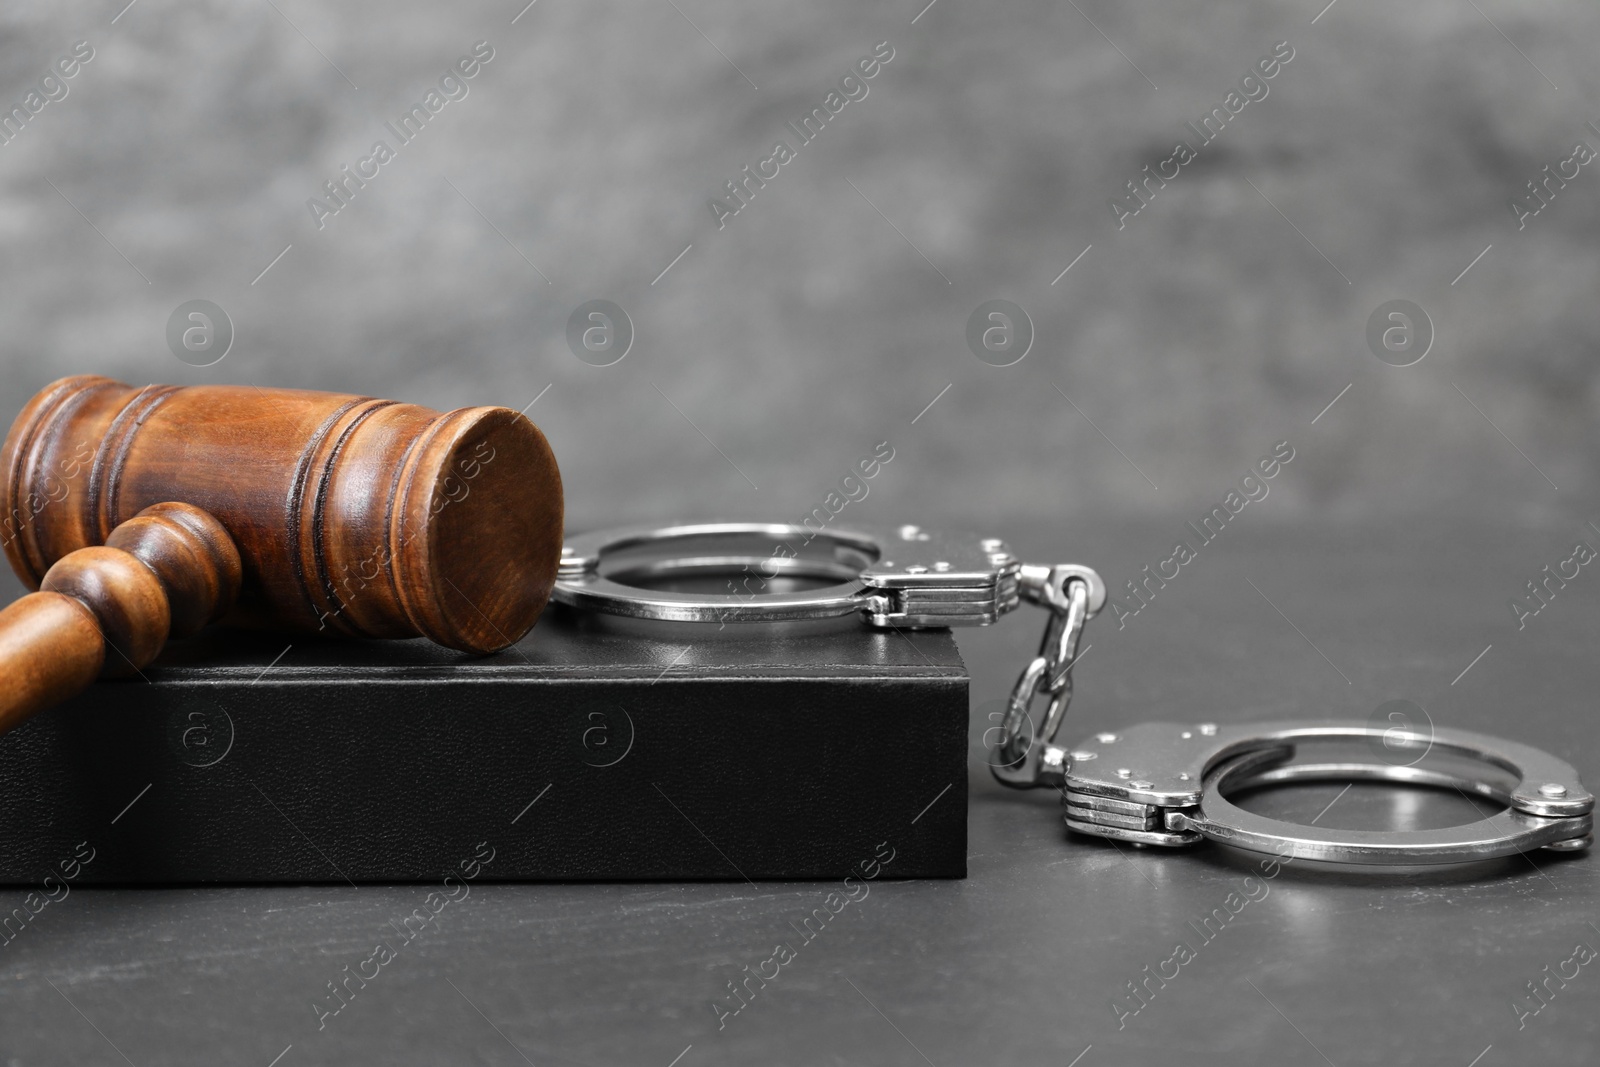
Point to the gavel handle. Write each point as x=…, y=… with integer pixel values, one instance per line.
x=107, y=611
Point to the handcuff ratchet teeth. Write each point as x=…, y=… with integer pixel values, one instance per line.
x=1164, y=784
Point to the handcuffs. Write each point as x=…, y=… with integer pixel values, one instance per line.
x=1158, y=784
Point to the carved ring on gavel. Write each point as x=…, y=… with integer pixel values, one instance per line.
x=107, y=610
x=143, y=512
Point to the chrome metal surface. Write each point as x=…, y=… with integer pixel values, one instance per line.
x=1507, y=832
x=1168, y=839
x=1156, y=783
x=1184, y=775
x=1031, y=758
x=907, y=578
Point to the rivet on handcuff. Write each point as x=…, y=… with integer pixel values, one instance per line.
x=1152, y=784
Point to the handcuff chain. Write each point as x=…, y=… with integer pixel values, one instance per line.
x=1065, y=593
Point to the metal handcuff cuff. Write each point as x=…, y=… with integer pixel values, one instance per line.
x=1163, y=784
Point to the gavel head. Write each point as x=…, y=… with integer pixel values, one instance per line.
x=351, y=515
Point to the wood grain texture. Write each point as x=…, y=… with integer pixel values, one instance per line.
x=192, y=555
x=106, y=610
x=50, y=648
x=351, y=515
x=126, y=598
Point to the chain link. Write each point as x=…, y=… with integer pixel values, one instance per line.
x=1019, y=759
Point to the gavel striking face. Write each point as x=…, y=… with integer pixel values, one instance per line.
x=143, y=512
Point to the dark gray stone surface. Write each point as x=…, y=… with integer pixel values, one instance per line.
x=1019, y=963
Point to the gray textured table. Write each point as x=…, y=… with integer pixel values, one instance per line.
x=1024, y=961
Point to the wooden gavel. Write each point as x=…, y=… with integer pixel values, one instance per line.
x=144, y=513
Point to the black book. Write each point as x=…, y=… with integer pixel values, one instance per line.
x=597, y=748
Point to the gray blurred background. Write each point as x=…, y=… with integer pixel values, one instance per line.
x=1230, y=314
x=825, y=317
